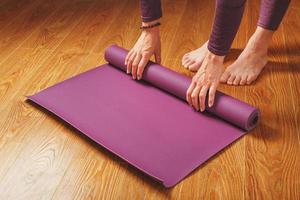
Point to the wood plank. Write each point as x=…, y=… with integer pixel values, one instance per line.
x=42, y=153
x=20, y=29
x=11, y=9
x=272, y=150
x=122, y=26
x=48, y=41
x=20, y=67
x=94, y=25
x=59, y=25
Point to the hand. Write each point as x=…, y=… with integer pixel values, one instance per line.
x=138, y=57
x=206, y=80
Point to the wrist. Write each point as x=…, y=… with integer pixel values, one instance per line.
x=151, y=27
x=150, y=23
x=153, y=31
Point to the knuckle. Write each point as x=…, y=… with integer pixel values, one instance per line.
x=206, y=82
x=134, y=64
x=199, y=84
x=209, y=77
x=140, y=67
x=202, y=95
x=144, y=54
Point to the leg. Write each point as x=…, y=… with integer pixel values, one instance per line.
x=228, y=16
x=254, y=57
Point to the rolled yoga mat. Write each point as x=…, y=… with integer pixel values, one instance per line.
x=147, y=123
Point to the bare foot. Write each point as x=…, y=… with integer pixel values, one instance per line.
x=246, y=68
x=193, y=60
x=250, y=63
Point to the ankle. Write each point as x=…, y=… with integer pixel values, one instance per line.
x=260, y=40
x=214, y=58
x=255, y=45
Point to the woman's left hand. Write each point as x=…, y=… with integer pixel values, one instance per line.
x=206, y=80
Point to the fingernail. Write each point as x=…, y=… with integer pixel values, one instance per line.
x=127, y=72
x=139, y=77
x=210, y=104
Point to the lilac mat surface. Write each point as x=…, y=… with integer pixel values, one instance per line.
x=147, y=123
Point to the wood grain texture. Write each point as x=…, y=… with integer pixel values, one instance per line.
x=44, y=42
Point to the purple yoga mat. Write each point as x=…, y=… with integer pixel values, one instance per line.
x=147, y=123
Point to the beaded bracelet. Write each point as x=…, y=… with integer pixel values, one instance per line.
x=150, y=26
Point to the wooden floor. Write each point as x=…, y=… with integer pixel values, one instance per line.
x=43, y=42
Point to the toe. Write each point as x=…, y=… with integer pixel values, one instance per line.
x=230, y=79
x=225, y=77
x=194, y=67
x=243, y=80
x=251, y=78
x=189, y=63
x=185, y=57
x=184, y=63
x=237, y=80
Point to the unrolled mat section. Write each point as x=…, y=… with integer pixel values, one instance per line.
x=147, y=123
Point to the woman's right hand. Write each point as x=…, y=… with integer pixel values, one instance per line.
x=147, y=45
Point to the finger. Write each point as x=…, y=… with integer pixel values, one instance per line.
x=141, y=66
x=135, y=65
x=127, y=56
x=195, y=97
x=130, y=60
x=202, y=97
x=211, y=95
x=189, y=92
x=157, y=56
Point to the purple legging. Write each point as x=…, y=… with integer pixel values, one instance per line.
x=228, y=17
